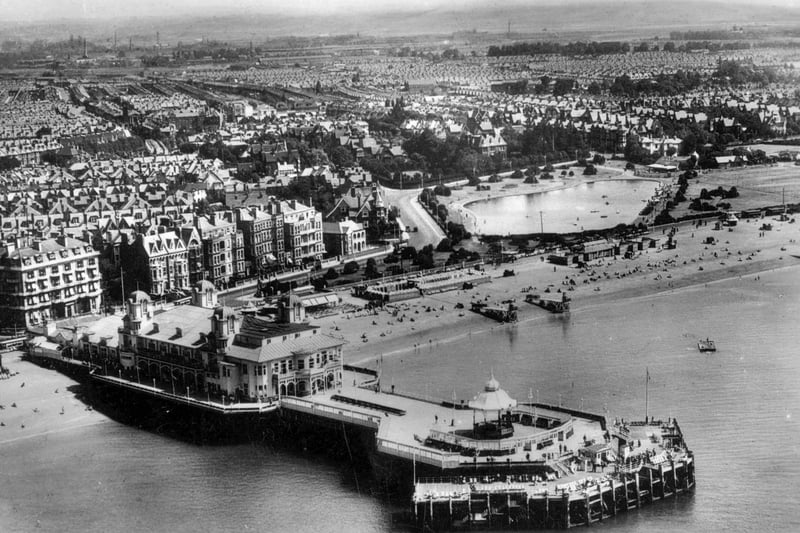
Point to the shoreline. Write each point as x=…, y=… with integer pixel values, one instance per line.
x=591, y=303
x=652, y=274
x=434, y=321
x=47, y=402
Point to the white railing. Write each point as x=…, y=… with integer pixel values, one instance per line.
x=338, y=413
x=502, y=444
x=247, y=407
x=416, y=453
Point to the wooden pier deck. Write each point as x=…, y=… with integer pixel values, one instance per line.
x=539, y=476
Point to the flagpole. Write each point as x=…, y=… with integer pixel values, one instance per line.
x=646, y=392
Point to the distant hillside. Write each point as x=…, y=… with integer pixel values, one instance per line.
x=620, y=20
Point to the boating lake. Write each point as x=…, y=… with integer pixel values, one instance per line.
x=738, y=408
x=588, y=206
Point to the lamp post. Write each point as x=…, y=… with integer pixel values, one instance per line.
x=453, y=418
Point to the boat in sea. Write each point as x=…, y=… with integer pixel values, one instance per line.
x=706, y=345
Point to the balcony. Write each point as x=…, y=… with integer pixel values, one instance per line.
x=173, y=359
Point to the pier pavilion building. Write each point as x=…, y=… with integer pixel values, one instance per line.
x=208, y=347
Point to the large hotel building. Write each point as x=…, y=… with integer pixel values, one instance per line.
x=48, y=280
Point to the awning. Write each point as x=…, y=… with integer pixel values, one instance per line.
x=320, y=300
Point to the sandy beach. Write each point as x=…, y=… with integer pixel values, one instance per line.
x=432, y=321
x=46, y=400
x=36, y=402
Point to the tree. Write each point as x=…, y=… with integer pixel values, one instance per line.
x=457, y=232
x=407, y=253
x=634, y=152
x=9, y=163
x=451, y=53
x=517, y=175
x=594, y=88
x=425, y=257
x=371, y=269
x=331, y=274
x=351, y=267
x=341, y=157
x=590, y=170
x=563, y=86
x=187, y=148
x=203, y=207
x=444, y=245
x=442, y=190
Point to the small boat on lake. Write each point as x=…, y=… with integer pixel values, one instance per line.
x=706, y=345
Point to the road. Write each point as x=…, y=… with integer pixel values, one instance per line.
x=414, y=215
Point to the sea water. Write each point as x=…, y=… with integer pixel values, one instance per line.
x=738, y=409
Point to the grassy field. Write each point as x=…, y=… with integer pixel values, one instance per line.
x=757, y=186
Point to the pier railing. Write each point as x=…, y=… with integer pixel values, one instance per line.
x=416, y=453
x=247, y=407
x=502, y=444
x=337, y=413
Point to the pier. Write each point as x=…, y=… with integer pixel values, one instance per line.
x=490, y=462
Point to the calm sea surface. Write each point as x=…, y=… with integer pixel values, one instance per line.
x=738, y=408
x=563, y=210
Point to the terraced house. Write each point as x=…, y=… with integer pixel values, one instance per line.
x=302, y=232
x=259, y=232
x=165, y=259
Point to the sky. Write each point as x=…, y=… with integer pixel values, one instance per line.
x=39, y=10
